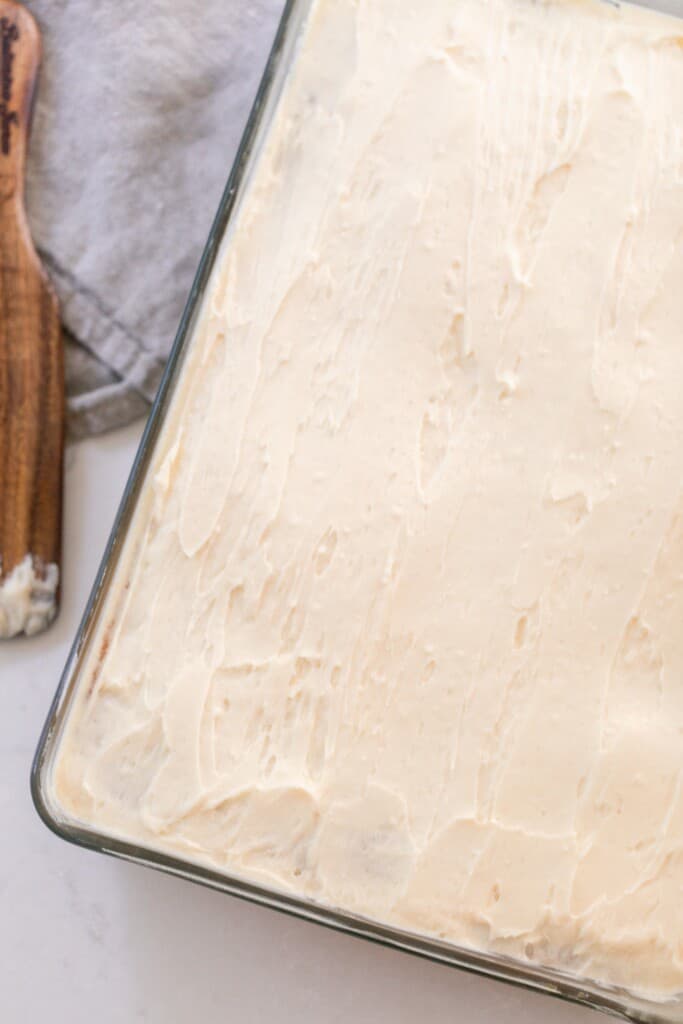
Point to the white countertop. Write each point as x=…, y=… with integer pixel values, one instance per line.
x=84, y=938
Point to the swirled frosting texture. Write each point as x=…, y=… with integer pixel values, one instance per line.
x=398, y=626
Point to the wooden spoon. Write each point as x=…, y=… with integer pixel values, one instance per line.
x=31, y=367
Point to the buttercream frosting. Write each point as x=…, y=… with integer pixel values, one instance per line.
x=398, y=623
x=28, y=597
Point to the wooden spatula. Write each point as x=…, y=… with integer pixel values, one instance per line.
x=31, y=371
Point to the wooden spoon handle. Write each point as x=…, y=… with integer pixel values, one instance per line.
x=19, y=61
x=31, y=370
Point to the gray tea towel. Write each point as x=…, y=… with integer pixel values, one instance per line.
x=139, y=113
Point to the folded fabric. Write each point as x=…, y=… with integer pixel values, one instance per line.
x=138, y=116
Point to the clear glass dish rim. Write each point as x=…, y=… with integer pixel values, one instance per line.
x=565, y=987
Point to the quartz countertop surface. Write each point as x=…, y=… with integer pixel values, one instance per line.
x=85, y=937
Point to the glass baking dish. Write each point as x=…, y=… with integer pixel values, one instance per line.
x=554, y=982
